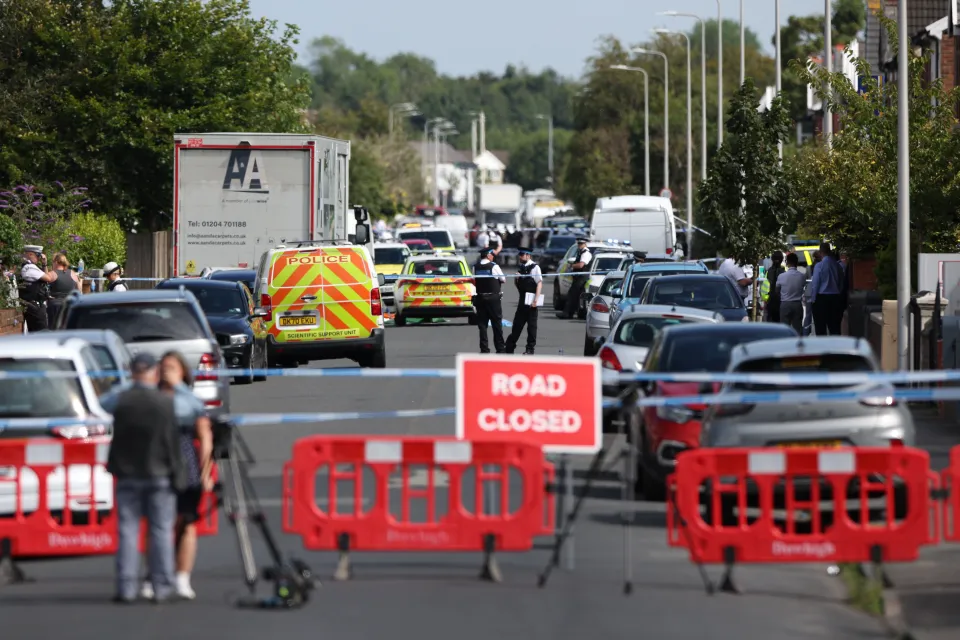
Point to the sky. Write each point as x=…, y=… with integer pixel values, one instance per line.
x=464, y=40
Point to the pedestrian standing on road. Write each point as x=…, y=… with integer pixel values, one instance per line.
x=194, y=424
x=790, y=287
x=487, y=301
x=580, y=271
x=735, y=274
x=146, y=461
x=773, y=297
x=807, y=306
x=827, y=286
x=34, y=288
x=530, y=285
x=66, y=283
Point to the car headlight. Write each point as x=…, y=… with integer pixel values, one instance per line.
x=239, y=339
x=680, y=415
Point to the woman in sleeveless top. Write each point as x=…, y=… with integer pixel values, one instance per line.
x=66, y=282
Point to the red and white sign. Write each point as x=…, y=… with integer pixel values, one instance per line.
x=554, y=402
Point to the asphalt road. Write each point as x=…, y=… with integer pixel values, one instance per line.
x=438, y=596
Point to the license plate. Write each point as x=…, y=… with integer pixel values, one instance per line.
x=437, y=288
x=297, y=321
x=819, y=444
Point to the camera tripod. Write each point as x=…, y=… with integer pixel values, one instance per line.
x=292, y=579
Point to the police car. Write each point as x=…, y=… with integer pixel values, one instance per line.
x=434, y=286
x=389, y=259
x=562, y=283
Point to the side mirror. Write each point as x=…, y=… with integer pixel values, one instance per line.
x=617, y=293
x=381, y=279
x=259, y=312
x=362, y=234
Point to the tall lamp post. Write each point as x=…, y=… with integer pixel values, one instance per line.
x=666, y=111
x=405, y=108
x=549, y=119
x=703, y=86
x=442, y=128
x=689, y=138
x=778, y=62
x=828, y=60
x=903, y=190
x=646, y=122
x=719, y=76
x=743, y=47
x=427, y=123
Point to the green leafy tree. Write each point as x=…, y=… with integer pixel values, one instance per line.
x=747, y=200
x=529, y=159
x=97, y=240
x=101, y=88
x=849, y=194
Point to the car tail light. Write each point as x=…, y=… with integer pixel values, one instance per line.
x=600, y=307
x=208, y=363
x=896, y=442
x=266, y=303
x=376, y=306
x=80, y=431
x=609, y=360
x=669, y=250
x=882, y=401
x=726, y=410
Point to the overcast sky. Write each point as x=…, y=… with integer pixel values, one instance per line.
x=463, y=41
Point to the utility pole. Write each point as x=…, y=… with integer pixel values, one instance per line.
x=719, y=76
x=903, y=192
x=828, y=60
x=779, y=81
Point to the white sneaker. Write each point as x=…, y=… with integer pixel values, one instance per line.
x=146, y=590
x=184, y=590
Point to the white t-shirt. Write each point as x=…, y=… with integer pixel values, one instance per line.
x=483, y=239
x=734, y=273
x=119, y=287
x=30, y=273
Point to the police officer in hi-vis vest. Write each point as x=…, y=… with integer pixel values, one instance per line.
x=580, y=269
x=489, y=280
x=529, y=284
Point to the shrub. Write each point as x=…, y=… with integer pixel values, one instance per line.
x=41, y=213
x=11, y=249
x=96, y=239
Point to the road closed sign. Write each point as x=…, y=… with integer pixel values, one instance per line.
x=553, y=402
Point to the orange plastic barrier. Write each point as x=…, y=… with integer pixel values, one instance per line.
x=803, y=505
x=365, y=521
x=950, y=478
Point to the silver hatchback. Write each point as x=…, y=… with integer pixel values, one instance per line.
x=598, y=311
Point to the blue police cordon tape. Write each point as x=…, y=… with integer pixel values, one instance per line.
x=393, y=279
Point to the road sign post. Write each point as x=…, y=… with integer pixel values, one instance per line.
x=551, y=401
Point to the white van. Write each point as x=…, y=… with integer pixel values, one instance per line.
x=646, y=222
x=458, y=228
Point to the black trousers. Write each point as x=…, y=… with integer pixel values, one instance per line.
x=490, y=311
x=525, y=315
x=828, y=314
x=35, y=316
x=573, y=295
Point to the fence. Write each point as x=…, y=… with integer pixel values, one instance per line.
x=149, y=255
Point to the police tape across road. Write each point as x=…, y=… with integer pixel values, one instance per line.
x=763, y=397
x=788, y=379
x=394, y=278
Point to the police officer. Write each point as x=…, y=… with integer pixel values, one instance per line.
x=772, y=309
x=112, y=272
x=579, y=266
x=34, y=287
x=530, y=283
x=489, y=280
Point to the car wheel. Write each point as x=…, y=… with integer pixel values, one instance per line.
x=557, y=302
x=399, y=321
x=248, y=365
x=264, y=364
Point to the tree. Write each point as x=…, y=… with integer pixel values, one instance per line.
x=746, y=201
x=849, y=194
x=529, y=159
x=93, y=92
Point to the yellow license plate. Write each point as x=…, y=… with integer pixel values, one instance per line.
x=812, y=444
x=297, y=321
x=437, y=288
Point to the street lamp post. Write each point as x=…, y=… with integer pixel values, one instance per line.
x=666, y=111
x=779, y=77
x=442, y=128
x=828, y=59
x=646, y=122
x=903, y=191
x=406, y=108
x=703, y=86
x=427, y=123
x=719, y=76
x=549, y=119
x=689, y=251
x=743, y=47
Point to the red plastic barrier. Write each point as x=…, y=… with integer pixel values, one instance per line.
x=808, y=505
x=950, y=477
x=47, y=507
x=393, y=463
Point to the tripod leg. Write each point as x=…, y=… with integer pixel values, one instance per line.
x=236, y=507
x=571, y=518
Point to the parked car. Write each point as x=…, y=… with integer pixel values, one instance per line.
x=418, y=246
x=229, y=308
x=598, y=312
x=665, y=432
x=702, y=291
x=640, y=273
x=552, y=250
x=562, y=283
x=63, y=396
x=876, y=419
x=601, y=265
x=110, y=350
x=246, y=276
x=157, y=321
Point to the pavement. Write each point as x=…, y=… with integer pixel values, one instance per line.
x=438, y=595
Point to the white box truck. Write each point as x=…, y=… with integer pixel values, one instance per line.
x=499, y=204
x=235, y=195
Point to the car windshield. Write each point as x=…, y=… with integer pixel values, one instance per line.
x=640, y=332
x=500, y=217
x=143, y=322
x=609, y=284
x=699, y=294
x=561, y=242
x=439, y=268
x=390, y=255
x=248, y=278
x=800, y=363
x=703, y=351
x=607, y=263
x=220, y=302
x=38, y=397
x=636, y=286
x=436, y=238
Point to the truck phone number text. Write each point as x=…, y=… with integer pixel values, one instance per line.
x=218, y=224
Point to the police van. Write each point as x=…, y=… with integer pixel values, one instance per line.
x=321, y=300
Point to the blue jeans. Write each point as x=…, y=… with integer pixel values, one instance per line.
x=155, y=499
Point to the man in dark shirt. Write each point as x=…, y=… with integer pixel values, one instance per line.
x=146, y=461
